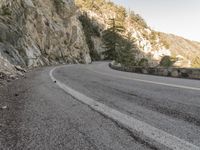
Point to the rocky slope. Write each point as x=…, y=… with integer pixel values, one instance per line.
x=188, y=51
x=40, y=32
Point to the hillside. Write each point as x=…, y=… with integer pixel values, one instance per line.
x=152, y=45
x=183, y=47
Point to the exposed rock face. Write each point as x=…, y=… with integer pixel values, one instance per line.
x=99, y=46
x=40, y=32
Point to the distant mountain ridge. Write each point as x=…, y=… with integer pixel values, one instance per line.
x=182, y=46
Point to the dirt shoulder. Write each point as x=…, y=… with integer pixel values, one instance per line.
x=13, y=91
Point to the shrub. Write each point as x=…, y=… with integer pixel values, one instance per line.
x=59, y=4
x=143, y=62
x=138, y=19
x=167, y=61
x=6, y=11
x=1, y=40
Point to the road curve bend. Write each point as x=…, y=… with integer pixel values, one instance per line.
x=92, y=107
x=153, y=135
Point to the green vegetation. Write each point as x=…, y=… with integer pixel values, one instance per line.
x=167, y=61
x=6, y=11
x=99, y=6
x=89, y=31
x=59, y=4
x=136, y=18
x=126, y=53
x=111, y=39
x=143, y=62
x=118, y=47
x=103, y=7
x=196, y=62
x=1, y=40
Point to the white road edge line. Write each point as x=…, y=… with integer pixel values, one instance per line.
x=147, y=81
x=133, y=124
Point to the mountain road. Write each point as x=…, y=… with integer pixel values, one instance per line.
x=92, y=107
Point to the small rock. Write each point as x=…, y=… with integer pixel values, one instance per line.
x=174, y=73
x=4, y=107
x=8, y=80
x=20, y=69
x=113, y=62
x=20, y=73
x=119, y=65
x=166, y=72
x=144, y=71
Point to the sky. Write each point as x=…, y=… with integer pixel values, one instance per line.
x=180, y=17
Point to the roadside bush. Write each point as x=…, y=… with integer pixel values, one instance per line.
x=5, y=11
x=167, y=61
x=143, y=62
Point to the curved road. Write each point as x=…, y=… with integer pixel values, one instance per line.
x=94, y=107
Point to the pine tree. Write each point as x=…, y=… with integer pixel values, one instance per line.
x=111, y=38
x=127, y=51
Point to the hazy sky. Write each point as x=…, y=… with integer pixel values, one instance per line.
x=181, y=17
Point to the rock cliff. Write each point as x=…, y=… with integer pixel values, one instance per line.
x=40, y=32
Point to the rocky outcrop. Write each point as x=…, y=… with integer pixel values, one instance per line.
x=40, y=32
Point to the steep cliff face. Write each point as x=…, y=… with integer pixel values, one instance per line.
x=40, y=32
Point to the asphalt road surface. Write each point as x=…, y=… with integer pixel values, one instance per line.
x=92, y=107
